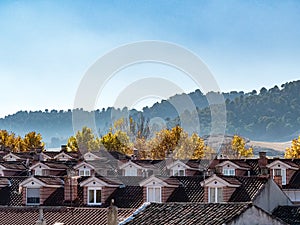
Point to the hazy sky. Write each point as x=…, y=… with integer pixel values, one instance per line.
x=47, y=46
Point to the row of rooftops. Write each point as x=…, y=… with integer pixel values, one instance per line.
x=65, y=179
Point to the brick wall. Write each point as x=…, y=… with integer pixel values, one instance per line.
x=70, y=189
x=241, y=172
x=190, y=172
x=227, y=192
x=45, y=192
x=165, y=193
x=106, y=192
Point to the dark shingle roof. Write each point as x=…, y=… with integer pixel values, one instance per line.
x=188, y=213
x=294, y=182
x=15, y=165
x=249, y=188
x=189, y=190
x=70, y=216
x=10, y=195
x=50, y=180
x=289, y=214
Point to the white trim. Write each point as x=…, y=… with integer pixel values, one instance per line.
x=155, y=181
x=178, y=174
x=216, y=194
x=83, y=164
x=98, y=183
x=95, y=189
x=38, y=196
x=154, y=187
x=11, y=156
x=221, y=182
x=88, y=155
x=227, y=172
x=130, y=163
x=282, y=164
x=282, y=174
x=236, y=166
x=64, y=156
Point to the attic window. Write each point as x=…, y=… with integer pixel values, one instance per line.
x=153, y=194
x=33, y=196
x=229, y=172
x=215, y=194
x=94, y=196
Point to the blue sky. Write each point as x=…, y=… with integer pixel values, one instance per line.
x=47, y=46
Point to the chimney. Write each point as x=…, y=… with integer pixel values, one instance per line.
x=41, y=220
x=262, y=163
x=278, y=180
x=70, y=189
x=112, y=214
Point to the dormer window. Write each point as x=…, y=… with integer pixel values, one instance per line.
x=130, y=171
x=94, y=196
x=85, y=172
x=153, y=194
x=178, y=172
x=280, y=172
x=33, y=196
x=215, y=194
x=228, y=172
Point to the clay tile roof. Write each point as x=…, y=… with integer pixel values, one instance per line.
x=72, y=216
x=57, y=165
x=50, y=180
x=190, y=190
x=15, y=165
x=249, y=188
x=289, y=214
x=230, y=179
x=188, y=213
x=10, y=195
x=169, y=180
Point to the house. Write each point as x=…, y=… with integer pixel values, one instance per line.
x=201, y=213
x=84, y=169
x=233, y=168
x=258, y=190
x=180, y=168
x=41, y=190
x=50, y=168
x=292, y=189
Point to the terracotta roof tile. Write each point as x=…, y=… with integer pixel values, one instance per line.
x=72, y=216
x=188, y=213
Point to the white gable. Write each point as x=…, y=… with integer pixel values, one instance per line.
x=96, y=182
x=32, y=183
x=83, y=165
x=215, y=181
x=11, y=157
x=155, y=181
x=90, y=156
x=38, y=166
x=277, y=164
x=129, y=165
x=177, y=165
x=63, y=156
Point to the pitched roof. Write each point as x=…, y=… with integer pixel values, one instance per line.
x=189, y=190
x=249, y=188
x=13, y=165
x=187, y=213
x=294, y=182
x=289, y=214
x=66, y=215
x=50, y=180
x=10, y=195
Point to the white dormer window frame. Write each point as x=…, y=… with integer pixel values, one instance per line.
x=84, y=172
x=33, y=196
x=154, y=194
x=280, y=172
x=215, y=194
x=94, y=196
x=178, y=172
x=130, y=171
x=228, y=171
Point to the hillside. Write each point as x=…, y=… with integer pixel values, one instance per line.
x=264, y=115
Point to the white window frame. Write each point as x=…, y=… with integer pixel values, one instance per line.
x=228, y=172
x=27, y=203
x=84, y=172
x=129, y=171
x=176, y=172
x=282, y=174
x=95, y=189
x=154, y=194
x=216, y=200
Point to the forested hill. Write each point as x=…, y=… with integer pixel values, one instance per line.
x=268, y=115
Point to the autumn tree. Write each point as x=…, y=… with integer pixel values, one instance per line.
x=118, y=141
x=293, y=152
x=84, y=141
x=33, y=140
x=238, y=145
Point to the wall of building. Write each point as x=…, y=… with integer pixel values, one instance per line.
x=255, y=216
x=270, y=197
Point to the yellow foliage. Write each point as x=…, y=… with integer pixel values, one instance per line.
x=238, y=146
x=293, y=152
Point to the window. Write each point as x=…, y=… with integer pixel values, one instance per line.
x=85, y=173
x=178, y=172
x=94, y=196
x=282, y=173
x=229, y=172
x=153, y=194
x=130, y=171
x=215, y=194
x=33, y=196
